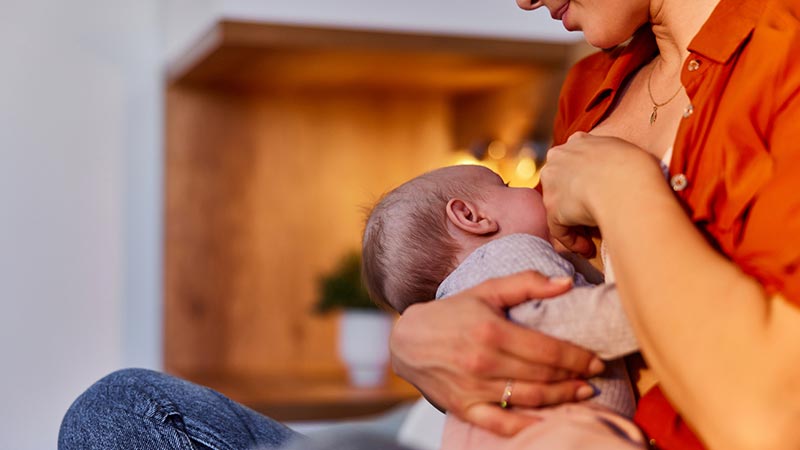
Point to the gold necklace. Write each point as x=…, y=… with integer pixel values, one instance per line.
x=656, y=105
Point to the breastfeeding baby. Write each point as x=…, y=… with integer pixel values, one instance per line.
x=453, y=228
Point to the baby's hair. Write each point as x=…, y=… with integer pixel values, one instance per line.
x=407, y=249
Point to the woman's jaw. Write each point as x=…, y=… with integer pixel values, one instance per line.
x=605, y=23
x=609, y=25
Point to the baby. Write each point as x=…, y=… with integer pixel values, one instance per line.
x=453, y=228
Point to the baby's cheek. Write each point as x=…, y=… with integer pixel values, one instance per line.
x=544, y=232
x=538, y=222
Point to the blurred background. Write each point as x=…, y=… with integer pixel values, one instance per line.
x=177, y=175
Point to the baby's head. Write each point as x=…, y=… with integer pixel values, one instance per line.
x=419, y=232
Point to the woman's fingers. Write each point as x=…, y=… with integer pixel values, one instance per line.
x=535, y=395
x=503, y=293
x=498, y=347
x=573, y=238
x=535, y=347
x=530, y=348
x=498, y=420
x=491, y=362
x=510, y=349
x=461, y=351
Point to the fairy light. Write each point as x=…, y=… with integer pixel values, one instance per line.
x=497, y=150
x=526, y=168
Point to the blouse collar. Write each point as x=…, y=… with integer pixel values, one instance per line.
x=729, y=25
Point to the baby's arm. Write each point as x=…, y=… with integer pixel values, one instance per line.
x=589, y=316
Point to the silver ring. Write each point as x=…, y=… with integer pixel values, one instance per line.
x=504, y=400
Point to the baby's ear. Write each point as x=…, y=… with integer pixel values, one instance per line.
x=467, y=217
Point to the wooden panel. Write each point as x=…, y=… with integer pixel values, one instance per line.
x=208, y=163
x=264, y=194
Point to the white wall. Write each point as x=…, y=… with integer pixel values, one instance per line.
x=80, y=115
x=501, y=18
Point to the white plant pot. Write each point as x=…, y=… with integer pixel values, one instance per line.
x=364, y=346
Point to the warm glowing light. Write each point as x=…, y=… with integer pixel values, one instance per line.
x=526, y=168
x=497, y=150
x=526, y=152
x=464, y=158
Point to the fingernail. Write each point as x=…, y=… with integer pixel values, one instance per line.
x=585, y=392
x=596, y=366
x=561, y=280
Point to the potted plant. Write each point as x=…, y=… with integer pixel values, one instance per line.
x=363, y=340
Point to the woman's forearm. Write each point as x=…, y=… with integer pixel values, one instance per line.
x=705, y=327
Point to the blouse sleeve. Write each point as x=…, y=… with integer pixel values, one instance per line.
x=770, y=240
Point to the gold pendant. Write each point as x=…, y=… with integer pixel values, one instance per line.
x=654, y=115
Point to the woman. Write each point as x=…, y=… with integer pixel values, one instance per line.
x=705, y=264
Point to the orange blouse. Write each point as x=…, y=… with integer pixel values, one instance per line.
x=735, y=154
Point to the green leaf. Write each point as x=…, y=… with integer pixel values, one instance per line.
x=343, y=288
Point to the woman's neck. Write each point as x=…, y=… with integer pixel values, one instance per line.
x=674, y=24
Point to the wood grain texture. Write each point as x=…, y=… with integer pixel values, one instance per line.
x=264, y=194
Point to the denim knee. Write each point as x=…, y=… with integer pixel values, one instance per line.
x=118, y=412
x=139, y=408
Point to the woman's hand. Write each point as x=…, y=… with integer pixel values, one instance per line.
x=460, y=351
x=583, y=177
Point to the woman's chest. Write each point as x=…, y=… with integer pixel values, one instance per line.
x=636, y=120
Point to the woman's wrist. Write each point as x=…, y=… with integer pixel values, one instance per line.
x=613, y=198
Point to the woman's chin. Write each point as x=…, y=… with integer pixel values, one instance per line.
x=570, y=26
x=568, y=23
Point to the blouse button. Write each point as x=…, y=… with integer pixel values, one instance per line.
x=693, y=65
x=688, y=111
x=678, y=182
x=652, y=443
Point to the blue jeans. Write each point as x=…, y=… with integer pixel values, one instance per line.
x=141, y=409
x=137, y=409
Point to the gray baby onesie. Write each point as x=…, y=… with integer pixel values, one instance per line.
x=590, y=316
